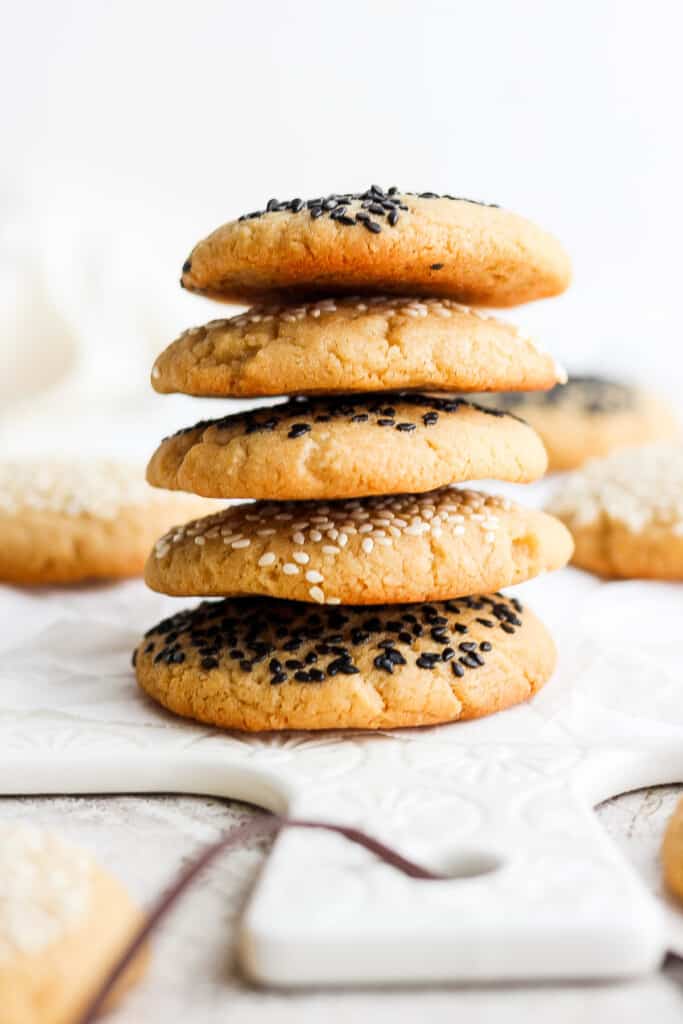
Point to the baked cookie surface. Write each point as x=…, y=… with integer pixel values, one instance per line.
x=354, y=344
x=258, y=664
x=379, y=242
x=589, y=416
x=68, y=521
x=672, y=852
x=347, y=447
x=625, y=513
x=389, y=549
x=63, y=922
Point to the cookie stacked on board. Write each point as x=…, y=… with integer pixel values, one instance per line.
x=360, y=584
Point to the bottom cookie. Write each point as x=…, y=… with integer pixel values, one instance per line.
x=260, y=664
x=63, y=922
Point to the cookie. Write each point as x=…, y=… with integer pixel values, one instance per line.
x=354, y=344
x=69, y=521
x=347, y=447
x=589, y=416
x=626, y=513
x=259, y=664
x=672, y=852
x=63, y=923
x=380, y=550
x=379, y=242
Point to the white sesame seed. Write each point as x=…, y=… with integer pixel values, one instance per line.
x=314, y=577
x=289, y=569
x=330, y=549
x=299, y=538
x=199, y=540
x=367, y=545
x=241, y=543
x=317, y=595
x=301, y=557
x=267, y=559
x=316, y=535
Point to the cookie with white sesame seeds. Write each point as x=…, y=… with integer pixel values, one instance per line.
x=348, y=447
x=378, y=241
x=257, y=664
x=63, y=922
x=66, y=521
x=590, y=416
x=348, y=344
x=672, y=853
x=379, y=550
x=625, y=513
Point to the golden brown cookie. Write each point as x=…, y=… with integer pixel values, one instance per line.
x=258, y=664
x=589, y=416
x=672, y=853
x=379, y=242
x=626, y=513
x=63, y=923
x=408, y=547
x=347, y=447
x=68, y=521
x=353, y=344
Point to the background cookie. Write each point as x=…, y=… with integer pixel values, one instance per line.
x=258, y=664
x=589, y=416
x=67, y=521
x=347, y=447
x=626, y=513
x=373, y=551
x=63, y=922
x=672, y=852
x=352, y=344
x=381, y=242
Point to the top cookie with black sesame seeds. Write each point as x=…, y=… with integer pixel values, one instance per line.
x=375, y=343
x=589, y=417
x=348, y=447
x=384, y=241
x=389, y=549
x=259, y=664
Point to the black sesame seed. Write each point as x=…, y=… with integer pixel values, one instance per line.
x=385, y=423
x=149, y=647
x=187, y=266
x=405, y=638
x=393, y=217
x=316, y=211
x=447, y=654
x=316, y=675
x=372, y=226
x=299, y=429
x=209, y=663
x=436, y=266
x=457, y=669
x=134, y=658
x=487, y=623
x=430, y=418
x=506, y=627
x=348, y=221
x=293, y=663
x=384, y=663
x=405, y=426
x=275, y=665
x=245, y=665
x=302, y=677
x=467, y=647
x=427, y=660
x=279, y=677
x=485, y=646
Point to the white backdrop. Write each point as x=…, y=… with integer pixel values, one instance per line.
x=131, y=129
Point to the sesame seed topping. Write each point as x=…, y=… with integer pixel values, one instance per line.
x=639, y=487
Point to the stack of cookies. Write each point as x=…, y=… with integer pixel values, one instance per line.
x=360, y=585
